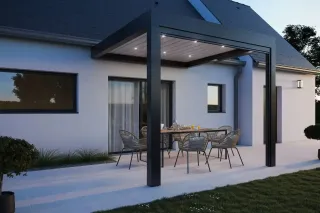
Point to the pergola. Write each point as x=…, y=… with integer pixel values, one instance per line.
x=159, y=40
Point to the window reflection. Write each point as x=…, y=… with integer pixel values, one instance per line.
x=28, y=90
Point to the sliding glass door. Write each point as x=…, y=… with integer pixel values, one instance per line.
x=123, y=107
x=128, y=108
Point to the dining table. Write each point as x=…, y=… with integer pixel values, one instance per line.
x=186, y=131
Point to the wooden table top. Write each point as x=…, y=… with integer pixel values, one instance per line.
x=170, y=131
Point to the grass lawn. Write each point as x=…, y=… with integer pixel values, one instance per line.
x=292, y=193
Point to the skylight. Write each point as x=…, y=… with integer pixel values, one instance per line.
x=203, y=11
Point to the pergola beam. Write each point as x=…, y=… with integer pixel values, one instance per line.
x=221, y=56
x=142, y=60
x=132, y=30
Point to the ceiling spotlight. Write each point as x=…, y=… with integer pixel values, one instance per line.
x=135, y=48
x=250, y=51
x=164, y=52
x=222, y=46
x=190, y=56
x=195, y=41
x=163, y=36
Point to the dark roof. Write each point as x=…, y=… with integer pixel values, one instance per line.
x=242, y=16
x=96, y=19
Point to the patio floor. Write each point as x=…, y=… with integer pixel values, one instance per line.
x=99, y=187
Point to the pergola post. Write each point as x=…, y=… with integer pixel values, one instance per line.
x=154, y=111
x=271, y=114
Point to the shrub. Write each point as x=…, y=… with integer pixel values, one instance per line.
x=16, y=157
x=312, y=132
x=54, y=158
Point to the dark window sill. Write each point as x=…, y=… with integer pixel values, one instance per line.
x=210, y=112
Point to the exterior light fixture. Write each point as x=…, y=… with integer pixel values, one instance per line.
x=195, y=41
x=299, y=84
x=164, y=52
x=222, y=46
x=163, y=36
x=135, y=48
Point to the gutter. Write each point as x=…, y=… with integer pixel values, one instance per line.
x=52, y=37
x=291, y=69
x=236, y=99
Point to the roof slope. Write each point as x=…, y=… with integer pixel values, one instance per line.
x=99, y=18
x=94, y=19
x=242, y=16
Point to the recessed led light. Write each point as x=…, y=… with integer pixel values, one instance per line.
x=195, y=41
x=135, y=48
x=222, y=46
x=250, y=51
x=164, y=52
x=163, y=36
x=190, y=56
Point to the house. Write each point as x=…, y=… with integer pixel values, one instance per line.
x=57, y=96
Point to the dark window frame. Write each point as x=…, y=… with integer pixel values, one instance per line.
x=220, y=99
x=74, y=110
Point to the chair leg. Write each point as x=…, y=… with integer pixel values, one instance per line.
x=187, y=162
x=177, y=158
x=168, y=152
x=229, y=158
x=239, y=155
x=232, y=151
x=137, y=157
x=220, y=154
x=198, y=157
x=207, y=162
x=210, y=152
x=131, y=160
x=119, y=157
x=182, y=154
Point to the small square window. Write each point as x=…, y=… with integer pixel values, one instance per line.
x=214, y=98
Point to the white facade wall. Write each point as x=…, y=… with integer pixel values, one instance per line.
x=89, y=128
x=296, y=107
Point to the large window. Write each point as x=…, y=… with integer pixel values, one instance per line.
x=214, y=98
x=37, y=92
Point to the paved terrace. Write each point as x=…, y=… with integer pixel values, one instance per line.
x=98, y=187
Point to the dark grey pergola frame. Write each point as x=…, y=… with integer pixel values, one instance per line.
x=154, y=24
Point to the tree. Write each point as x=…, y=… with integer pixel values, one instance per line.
x=305, y=40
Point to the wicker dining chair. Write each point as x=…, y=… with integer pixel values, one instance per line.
x=217, y=137
x=131, y=143
x=230, y=141
x=165, y=144
x=192, y=143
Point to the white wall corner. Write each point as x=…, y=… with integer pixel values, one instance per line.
x=245, y=102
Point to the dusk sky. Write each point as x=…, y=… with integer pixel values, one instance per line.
x=280, y=13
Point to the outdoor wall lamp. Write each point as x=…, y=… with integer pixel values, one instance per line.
x=299, y=84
